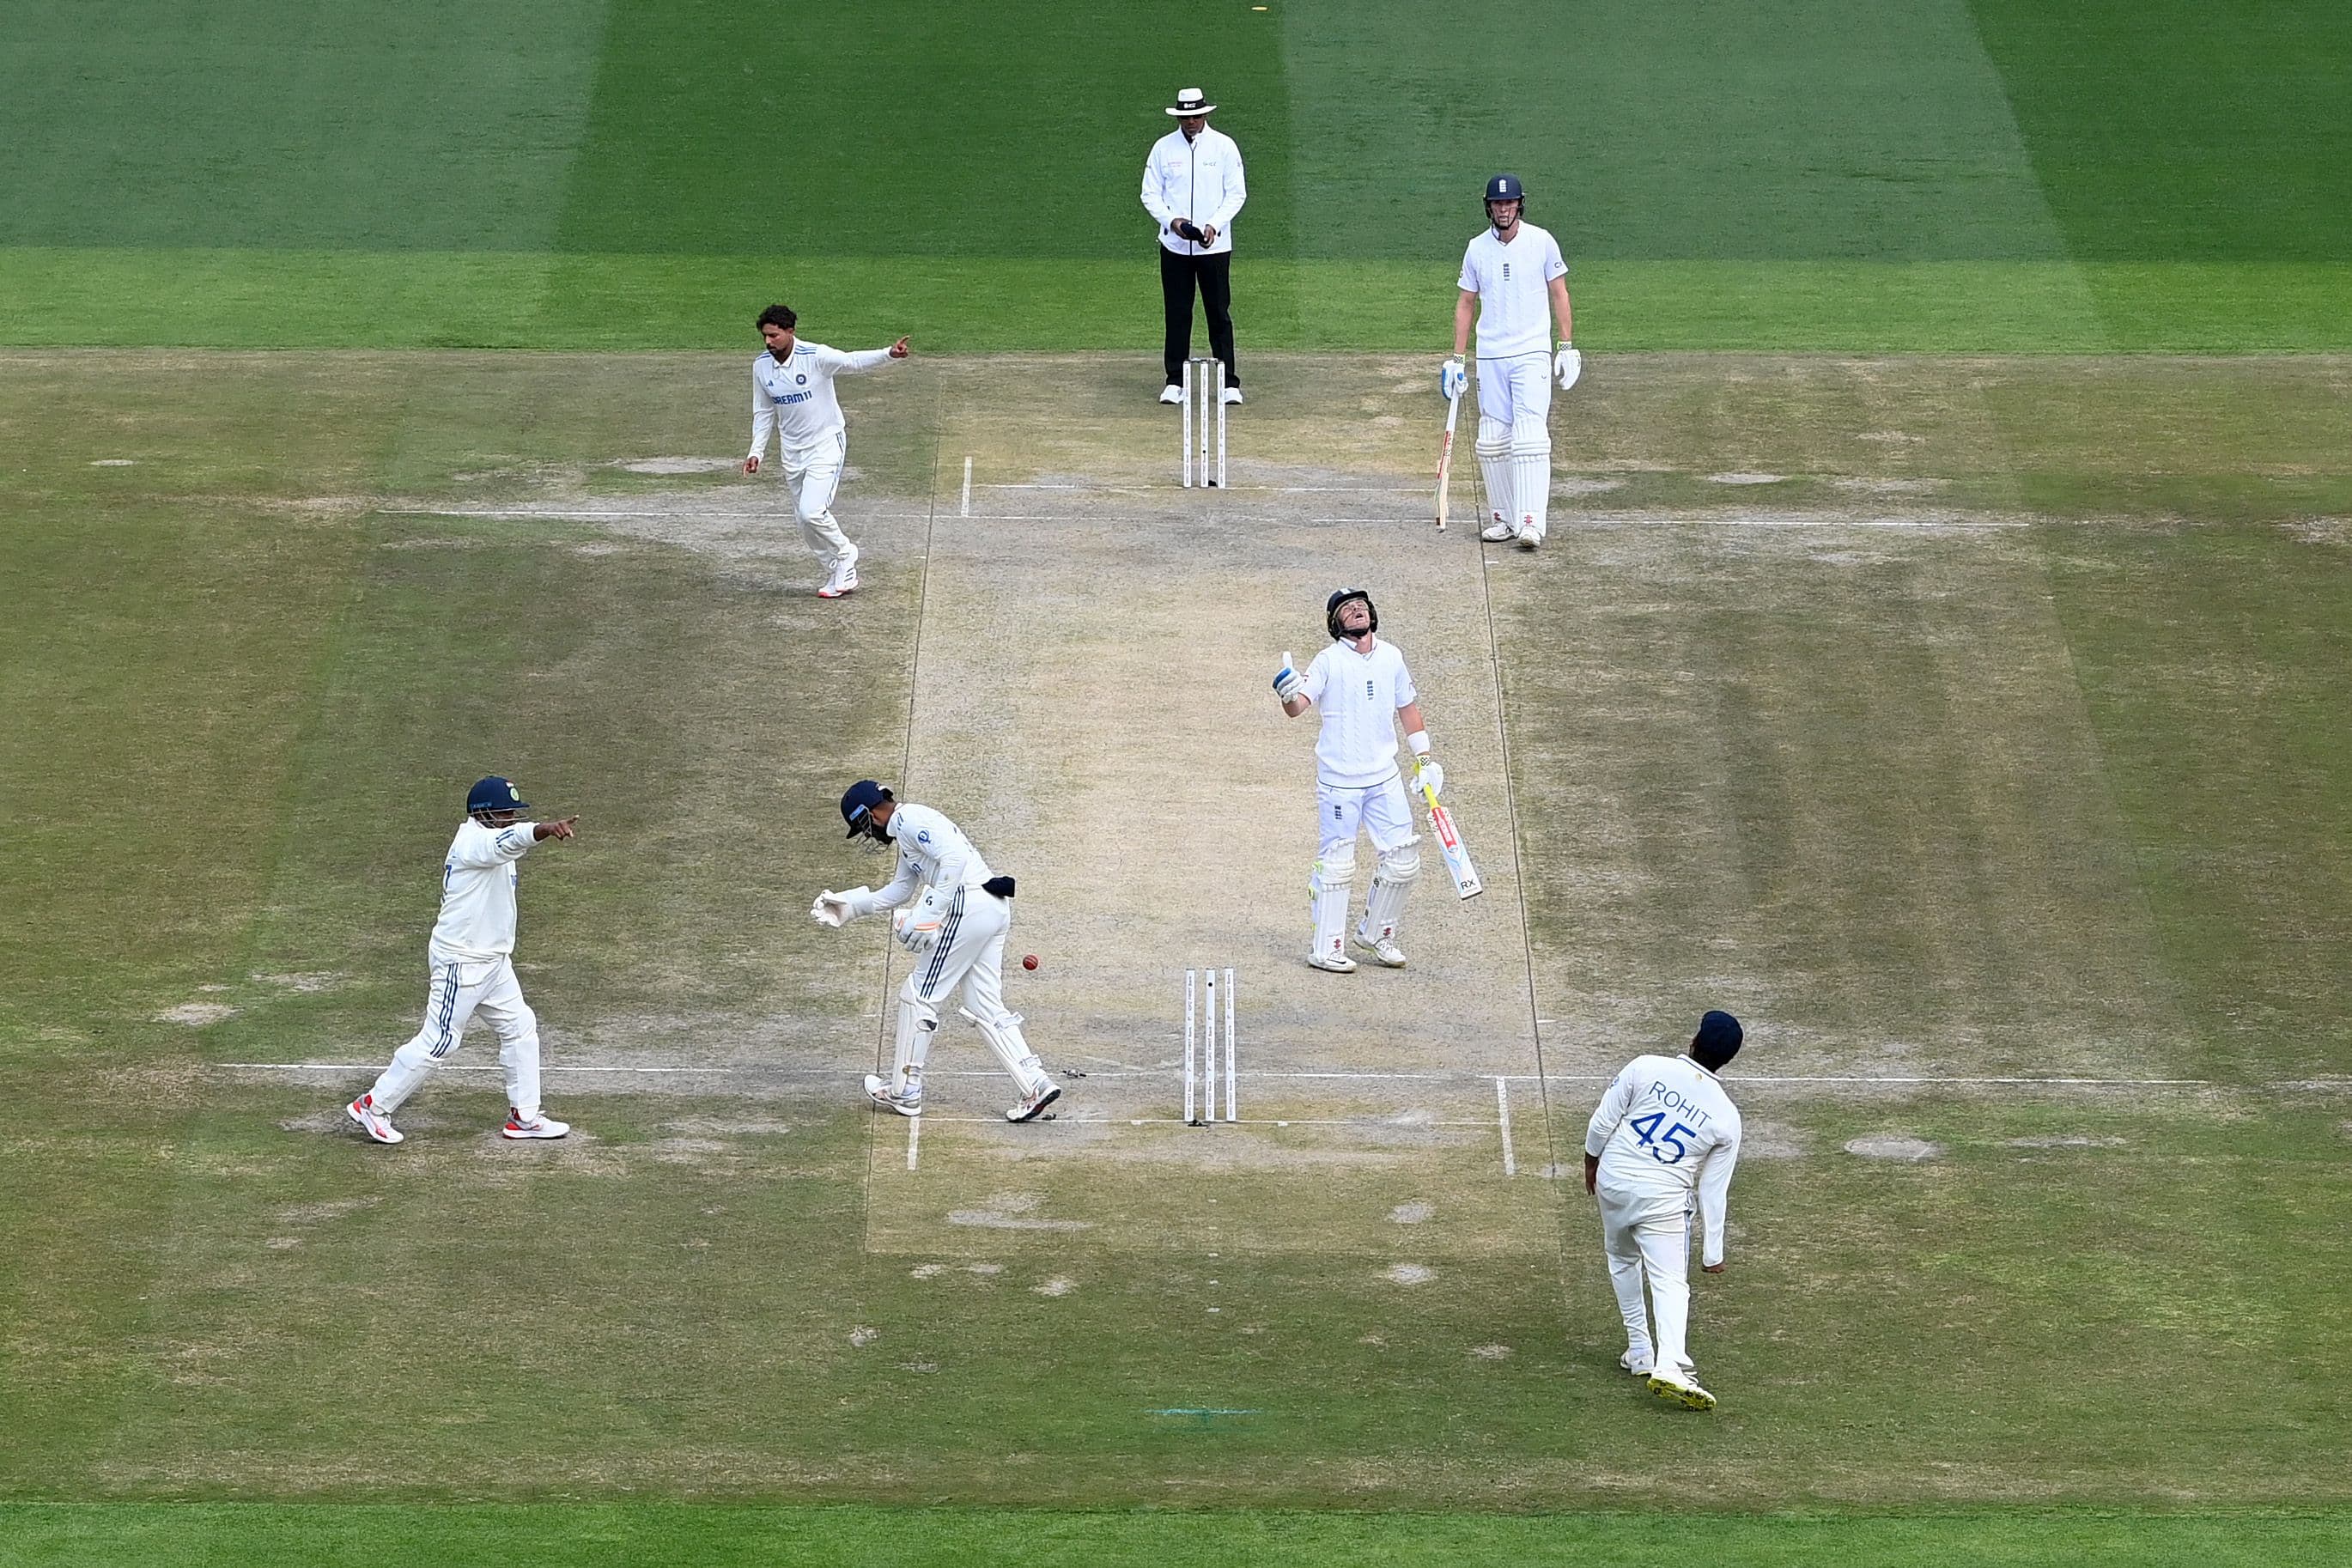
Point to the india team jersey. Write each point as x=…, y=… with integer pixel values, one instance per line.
x=794, y=398
x=1513, y=283
x=478, y=893
x=1359, y=694
x=932, y=852
x=1664, y=1127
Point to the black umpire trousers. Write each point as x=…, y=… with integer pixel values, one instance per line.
x=1215, y=276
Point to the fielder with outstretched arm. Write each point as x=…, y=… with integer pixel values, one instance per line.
x=1664, y=1130
x=792, y=395
x=954, y=914
x=472, y=958
x=1513, y=277
x=1363, y=687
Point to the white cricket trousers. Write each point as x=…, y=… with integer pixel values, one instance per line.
x=968, y=954
x=1646, y=1235
x=812, y=477
x=1514, y=389
x=459, y=991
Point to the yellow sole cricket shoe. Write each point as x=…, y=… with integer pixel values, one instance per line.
x=1689, y=1395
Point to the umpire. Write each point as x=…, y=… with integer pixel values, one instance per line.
x=1193, y=188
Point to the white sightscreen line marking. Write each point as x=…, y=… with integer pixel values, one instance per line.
x=1503, y=1115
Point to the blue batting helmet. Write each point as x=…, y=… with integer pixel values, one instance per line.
x=495, y=793
x=1505, y=188
x=857, y=804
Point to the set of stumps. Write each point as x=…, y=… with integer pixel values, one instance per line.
x=1201, y=991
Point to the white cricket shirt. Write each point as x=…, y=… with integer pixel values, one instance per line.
x=478, y=893
x=1513, y=283
x=1359, y=694
x=794, y=398
x=1199, y=180
x=932, y=852
x=1665, y=1126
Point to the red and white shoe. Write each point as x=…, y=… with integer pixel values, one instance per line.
x=537, y=1127
x=844, y=579
x=372, y=1121
x=1032, y=1106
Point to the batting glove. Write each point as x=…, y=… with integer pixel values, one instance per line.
x=1567, y=364
x=1429, y=777
x=1290, y=685
x=1451, y=378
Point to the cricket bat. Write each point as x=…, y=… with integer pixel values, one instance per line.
x=1445, y=467
x=1449, y=843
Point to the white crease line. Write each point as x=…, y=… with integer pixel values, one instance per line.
x=914, y=1140
x=964, y=509
x=1503, y=1113
x=1267, y=489
x=2298, y=1085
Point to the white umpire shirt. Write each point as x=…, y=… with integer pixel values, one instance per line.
x=794, y=397
x=1664, y=1127
x=1359, y=694
x=478, y=893
x=1198, y=179
x=1513, y=283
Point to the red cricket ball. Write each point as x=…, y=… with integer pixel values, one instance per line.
x=1028, y=960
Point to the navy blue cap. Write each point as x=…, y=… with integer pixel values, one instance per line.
x=1718, y=1040
x=858, y=802
x=495, y=793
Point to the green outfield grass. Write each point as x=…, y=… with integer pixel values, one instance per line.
x=1812, y=173
x=591, y=1536
x=1947, y=800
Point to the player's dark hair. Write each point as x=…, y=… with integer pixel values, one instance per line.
x=778, y=316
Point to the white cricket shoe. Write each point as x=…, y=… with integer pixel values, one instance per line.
x=1171, y=392
x=1032, y=1108
x=1529, y=538
x=879, y=1092
x=1383, y=948
x=1639, y=1365
x=1332, y=963
x=372, y=1121
x=843, y=580
x=1499, y=533
x=537, y=1127
x=1232, y=395
x=1689, y=1395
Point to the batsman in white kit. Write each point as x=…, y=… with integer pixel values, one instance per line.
x=1513, y=277
x=1363, y=687
x=953, y=914
x=472, y=955
x=792, y=395
x=1663, y=1132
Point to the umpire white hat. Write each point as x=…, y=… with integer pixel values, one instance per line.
x=1190, y=101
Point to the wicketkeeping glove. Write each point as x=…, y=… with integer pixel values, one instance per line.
x=1289, y=684
x=830, y=910
x=1451, y=378
x=1567, y=364
x=918, y=927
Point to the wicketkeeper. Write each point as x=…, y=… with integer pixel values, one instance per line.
x=1364, y=690
x=1664, y=1130
x=953, y=916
